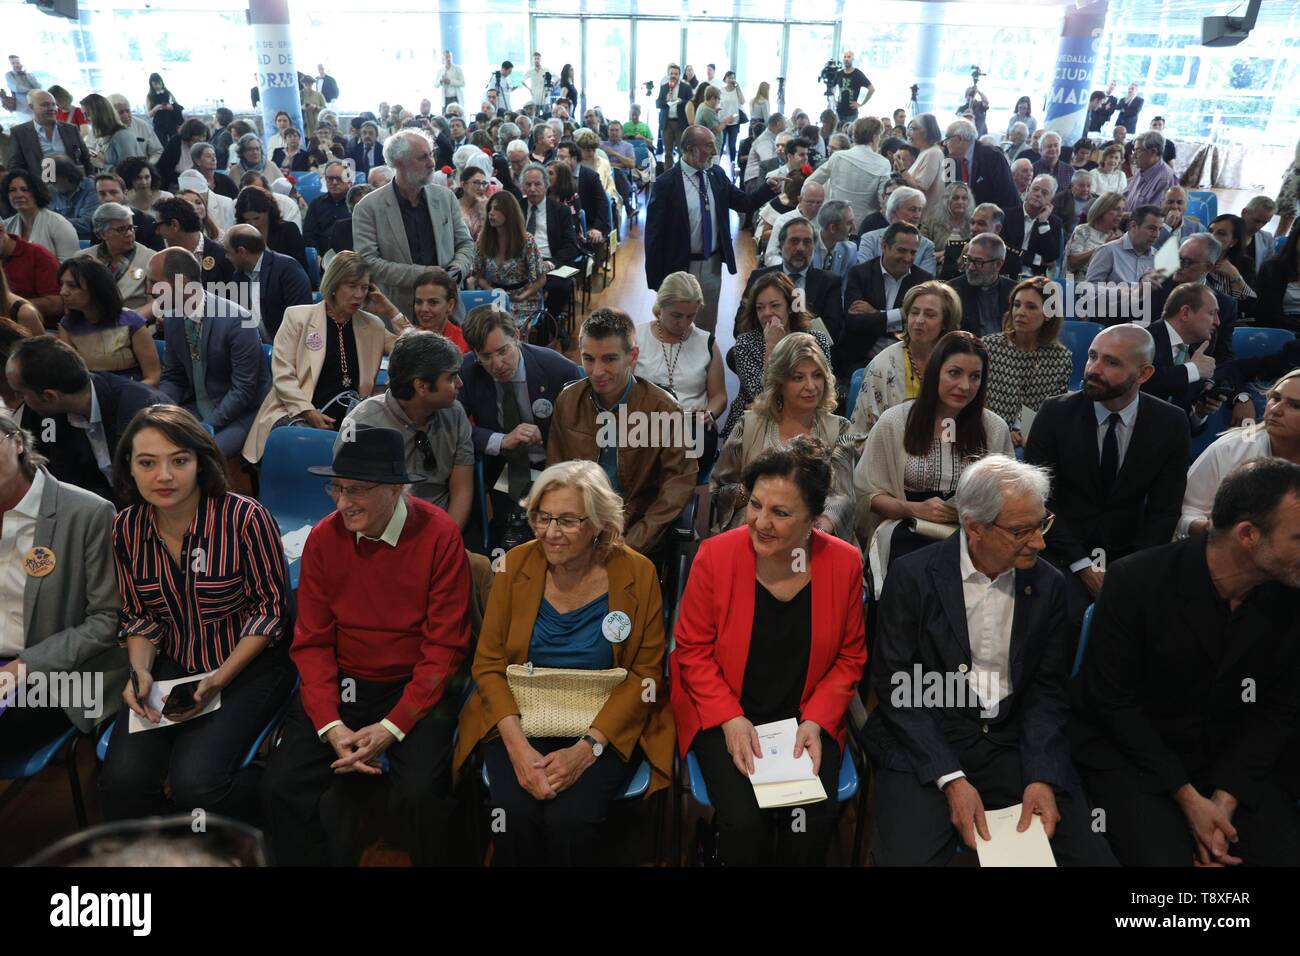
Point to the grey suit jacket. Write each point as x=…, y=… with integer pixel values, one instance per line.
x=380, y=238
x=71, y=613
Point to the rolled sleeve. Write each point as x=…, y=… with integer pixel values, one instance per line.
x=264, y=576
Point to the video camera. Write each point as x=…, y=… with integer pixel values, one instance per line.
x=975, y=74
x=830, y=75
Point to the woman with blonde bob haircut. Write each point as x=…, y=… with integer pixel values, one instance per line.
x=930, y=311
x=326, y=355
x=798, y=398
x=578, y=600
x=683, y=359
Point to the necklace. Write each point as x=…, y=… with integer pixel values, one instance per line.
x=343, y=352
x=671, y=358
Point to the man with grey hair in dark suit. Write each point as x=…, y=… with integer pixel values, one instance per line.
x=58, y=603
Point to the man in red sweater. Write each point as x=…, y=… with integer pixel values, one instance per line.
x=383, y=626
x=32, y=272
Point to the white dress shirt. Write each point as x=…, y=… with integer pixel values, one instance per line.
x=990, y=609
x=691, y=185
x=17, y=535
x=539, y=228
x=1123, y=432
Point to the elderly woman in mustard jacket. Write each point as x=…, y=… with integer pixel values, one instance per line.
x=575, y=598
x=326, y=356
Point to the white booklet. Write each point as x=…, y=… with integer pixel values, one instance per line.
x=158, y=694
x=780, y=779
x=1009, y=848
x=294, y=542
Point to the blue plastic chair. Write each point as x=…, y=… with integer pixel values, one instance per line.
x=636, y=787
x=266, y=353
x=845, y=791
x=309, y=185
x=1278, y=243
x=1255, y=342
x=1216, y=425
x=473, y=298
x=1206, y=198
x=1083, y=640
x=313, y=267
x=23, y=767
x=855, y=385
x=294, y=495
x=83, y=243
x=1077, y=336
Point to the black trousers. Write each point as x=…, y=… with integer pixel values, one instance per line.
x=566, y=831
x=317, y=817
x=199, y=758
x=911, y=825
x=746, y=834
x=23, y=729
x=1148, y=829
x=559, y=295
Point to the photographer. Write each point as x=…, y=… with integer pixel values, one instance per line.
x=502, y=86
x=851, y=82
x=539, y=81
x=976, y=102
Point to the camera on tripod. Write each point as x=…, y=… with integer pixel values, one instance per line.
x=830, y=75
x=975, y=74
x=649, y=87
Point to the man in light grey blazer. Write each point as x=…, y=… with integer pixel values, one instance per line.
x=411, y=224
x=225, y=387
x=58, y=602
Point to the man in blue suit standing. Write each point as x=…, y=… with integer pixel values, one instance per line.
x=687, y=226
x=214, y=364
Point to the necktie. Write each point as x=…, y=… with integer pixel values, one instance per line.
x=1181, y=351
x=961, y=169
x=532, y=219
x=797, y=279
x=706, y=216
x=517, y=467
x=1110, y=452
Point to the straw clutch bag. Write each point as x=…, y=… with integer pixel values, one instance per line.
x=560, y=701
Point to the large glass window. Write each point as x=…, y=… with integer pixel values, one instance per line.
x=758, y=57
x=609, y=66
x=658, y=43
x=559, y=40
x=707, y=42
x=810, y=48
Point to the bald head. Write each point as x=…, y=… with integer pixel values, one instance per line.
x=44, y=109
x=1133, y=340
x=695, y=136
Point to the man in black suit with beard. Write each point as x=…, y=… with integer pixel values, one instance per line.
x=1118, y=460
x=873, y=297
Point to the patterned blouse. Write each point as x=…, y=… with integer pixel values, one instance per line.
x=749, y=356
x=512, y=275
x=1019, y=378
x=1084, y=239
x=935, y=473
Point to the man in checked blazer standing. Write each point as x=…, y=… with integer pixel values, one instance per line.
x=411, y=224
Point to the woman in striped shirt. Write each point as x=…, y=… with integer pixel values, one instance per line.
x=204, y=593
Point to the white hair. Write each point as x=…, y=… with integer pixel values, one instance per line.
x=516, y=146
x=464, y=154
x=983, y=486
x=1022, y=127
x=1052, y=134
x=899, y=196
x=398, y=146
x=1045, y=176
x=963, y=129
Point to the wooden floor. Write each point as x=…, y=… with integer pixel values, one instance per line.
x=42, y=813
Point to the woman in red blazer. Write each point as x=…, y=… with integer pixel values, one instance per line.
x=770, y=628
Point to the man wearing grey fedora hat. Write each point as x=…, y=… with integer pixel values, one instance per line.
x=383, y=626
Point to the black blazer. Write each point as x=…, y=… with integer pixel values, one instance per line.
x=1066, y=208
x=969, y=295
x=223, y=185
x=683, y=97
x=594, y=199
x=1142, y=510
x=25, y=148
x=547, y=372
x=221, y=268
x=923, y=626
x=1128, y=113
x=1271, y=289
x=821, y=298
x=1044, y=243
x=72, y=459
x=1170, y=381
x=357, y=154
x=1101, y=115
x=167, y=162
x=282, y=283
x=667, y=224
x=861, y=331
x=561, y=232
x=990, y=178
x=1160, y=689
x=286, y=239
x=341, y=235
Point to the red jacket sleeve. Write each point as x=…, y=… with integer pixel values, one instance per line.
x=446, y=631
x=830, y=699
x=697, y=637
x=315, y=636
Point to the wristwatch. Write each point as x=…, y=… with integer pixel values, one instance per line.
x=597, y=748
x=1243, y=397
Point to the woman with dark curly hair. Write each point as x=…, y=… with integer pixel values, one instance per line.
x=143, y=183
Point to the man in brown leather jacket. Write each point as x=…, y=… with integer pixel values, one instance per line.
x=635, y=430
